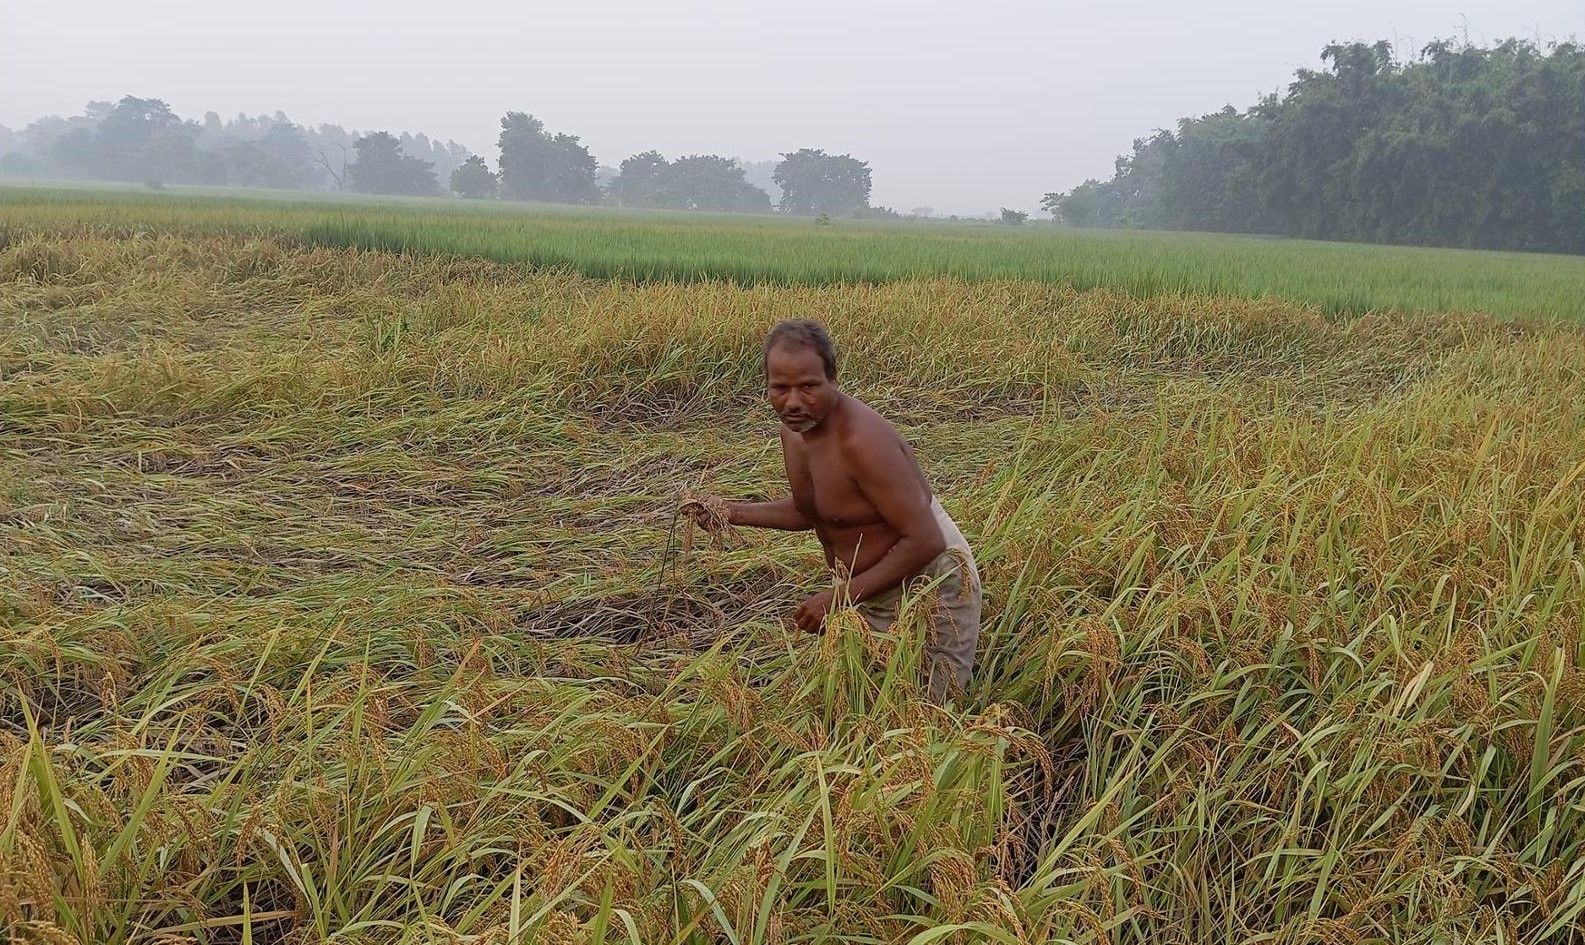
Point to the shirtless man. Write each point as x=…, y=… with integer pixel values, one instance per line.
x=855, y=481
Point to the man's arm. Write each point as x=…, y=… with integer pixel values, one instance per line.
x=889, y=479
x=781, y=514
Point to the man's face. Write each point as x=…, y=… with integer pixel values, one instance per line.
x=799, y=391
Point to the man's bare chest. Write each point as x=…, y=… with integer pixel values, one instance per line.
x=824, y=489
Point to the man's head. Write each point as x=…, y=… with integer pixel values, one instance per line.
x=800, y=373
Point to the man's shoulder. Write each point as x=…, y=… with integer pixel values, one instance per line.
x=865, y=428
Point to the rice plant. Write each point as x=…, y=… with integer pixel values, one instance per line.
x=332, y=610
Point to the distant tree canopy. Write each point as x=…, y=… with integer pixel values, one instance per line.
x=473, y=179
x=536, y=165
x=1464, y=146
x=814, y=182
x=382, y=168
x=142, y=139
x=278, y=159
x=138, y=139
x=695, y=182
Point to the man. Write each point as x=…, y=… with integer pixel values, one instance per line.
x=855, y=481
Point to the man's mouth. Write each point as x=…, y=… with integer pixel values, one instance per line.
x=795, y=417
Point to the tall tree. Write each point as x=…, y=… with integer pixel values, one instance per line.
x=142, y=139
x=536, y=165
x=382, y=168
x=814, y=182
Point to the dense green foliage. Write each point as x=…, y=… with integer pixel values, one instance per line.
x=1464, y=146
x=658, y=246
x=474, y=179
x=814, y=182
x=382, y=168
x=538, y=165
x=696, y=182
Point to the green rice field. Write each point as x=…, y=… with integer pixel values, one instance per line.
x=649, y=246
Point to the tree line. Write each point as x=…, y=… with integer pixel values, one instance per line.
x=143, y=140
x=1469, y=146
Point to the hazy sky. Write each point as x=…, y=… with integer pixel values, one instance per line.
x=962, y=105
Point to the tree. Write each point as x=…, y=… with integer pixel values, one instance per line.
x=76, y=151
x=142, y=139
x=278, y=159
x=1207, y=173
x=23, y=164
x=1013, y=217
x=536, y=165
x=382, y=168
x=814, y=182
x=285, y=144
x=695, y=182
x=1462, y=146
x=473, y=179
x=641, y=181
x=446, y=157
x=1091, y=204
x=712, y=182
x=335, y=167
x=329, y=147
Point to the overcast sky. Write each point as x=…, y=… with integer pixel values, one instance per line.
x=962, y=106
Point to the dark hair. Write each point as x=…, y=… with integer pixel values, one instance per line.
x=802, y=333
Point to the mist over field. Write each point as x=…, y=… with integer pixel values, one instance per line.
x=1450, y=125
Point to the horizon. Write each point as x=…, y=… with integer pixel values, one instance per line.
x=994, y=128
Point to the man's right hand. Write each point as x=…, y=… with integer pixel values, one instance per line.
x=711, y=513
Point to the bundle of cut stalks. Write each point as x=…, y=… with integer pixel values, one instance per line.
x=709, y=513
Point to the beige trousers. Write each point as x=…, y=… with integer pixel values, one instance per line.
x=953, y=629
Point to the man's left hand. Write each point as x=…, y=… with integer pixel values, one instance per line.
x=811, y=614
